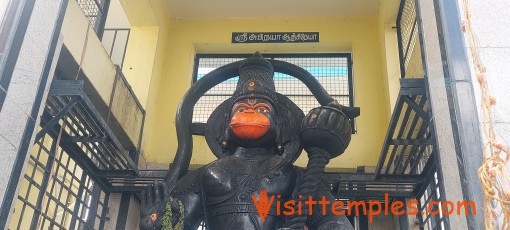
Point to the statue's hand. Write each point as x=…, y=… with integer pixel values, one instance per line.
x=154, y=200
x=328, y=128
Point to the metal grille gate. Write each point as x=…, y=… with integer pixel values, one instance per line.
x=412, y=119
x=75, y=164
x=56, y=193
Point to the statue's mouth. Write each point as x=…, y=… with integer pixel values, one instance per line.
x=250, y=126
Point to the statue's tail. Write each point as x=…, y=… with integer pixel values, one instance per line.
x=179, y=166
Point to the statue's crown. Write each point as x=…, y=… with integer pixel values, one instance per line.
x=256, y=79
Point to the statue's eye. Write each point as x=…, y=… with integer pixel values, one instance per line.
x=262, y=110
x=240, y=110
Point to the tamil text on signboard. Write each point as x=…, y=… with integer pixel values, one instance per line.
x=275, y=37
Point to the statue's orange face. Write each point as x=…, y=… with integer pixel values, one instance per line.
x=251, y=118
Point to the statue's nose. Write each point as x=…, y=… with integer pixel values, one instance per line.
x=250, y=110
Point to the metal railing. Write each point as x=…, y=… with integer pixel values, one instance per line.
x=57, y=192
x=96, y=12
x=410, y=147
x=118, y=106
x=407, y=34
x=115, y=41
x=125, y=115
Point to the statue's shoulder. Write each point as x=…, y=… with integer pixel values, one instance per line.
x=190, y=182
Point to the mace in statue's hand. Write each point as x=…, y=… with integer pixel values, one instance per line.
x=154, y=201
x=328, y=128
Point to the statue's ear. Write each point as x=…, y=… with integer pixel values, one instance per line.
x=281, y=135
x=223, y=134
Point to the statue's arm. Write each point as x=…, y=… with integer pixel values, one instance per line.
x=182, y=206
x=328, y=220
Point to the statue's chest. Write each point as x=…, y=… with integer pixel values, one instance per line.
x=236, y=179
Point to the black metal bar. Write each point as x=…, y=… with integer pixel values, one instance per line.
x=420, y=134
x=412, y=86
x=357, y=194
x=56, y=118
x=62, y=186
x=92, y=210
x=431, y=196
x=118, y=173
x=273, y=55
x=66, y=88
x=113, y=43
x=428, y=172
x=422, y=141
x=362, y=219
x=195, y=68
x=412, y=83
x=412, y=91
x=87, y=139
x=44, y=183
x=78, y=204
x=288, y=95
x=416, y=108
x=411, y=157
x=367, y=177
x=410, y=39
x=125, y=199
x=399, y=38
x=102, y=21
x=104, y=212
x=401, y=130
x=420, y=154
x=74, y=179
x=419, y=216
x=125, y=48
x=389, y=135
x=410, y=133
x=112, y=95
x=140, y=136
x=351, y=85
x=403, y=220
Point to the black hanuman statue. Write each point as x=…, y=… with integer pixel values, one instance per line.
x=257, y=134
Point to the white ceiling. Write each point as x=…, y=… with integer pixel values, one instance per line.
x=196, y=9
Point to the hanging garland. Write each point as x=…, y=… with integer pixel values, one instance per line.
x=493, y=173
x=167, y=217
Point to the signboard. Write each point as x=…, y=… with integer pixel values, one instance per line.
x=275, y=37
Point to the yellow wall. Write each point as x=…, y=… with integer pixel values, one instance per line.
x=389, y=48
x=147, y=40
x=358, y=35
x=139, y=60
x=146, y=51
